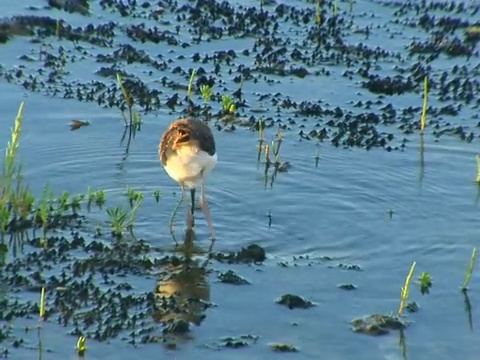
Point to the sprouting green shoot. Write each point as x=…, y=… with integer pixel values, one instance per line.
x=133, y=196
x=261, y=139
x=57, y=28
x=76, y=202
x=63, y=201
x=134, y=121
x=156, y=196
x=406, y=290
x=471, y=267
x=20, y=199
x=27, y=201
x=190, y=84
x=118, y=217
x=318, y=12
x=279, y=140
x=261, y=135
x=126, y=96
x=228, y=105
x=206, y=92
x=335, y=7
x=267, y=155
x=81, y=346
x=425, y=282
x=11, y=151
x=42, y=303
x=15, y=199
x=90, y=198
x=121, y=220
x=423, y=119
x=133, y=215
x=478, y=169
x=100, y=198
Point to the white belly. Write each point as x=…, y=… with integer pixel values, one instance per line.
x=188, y=165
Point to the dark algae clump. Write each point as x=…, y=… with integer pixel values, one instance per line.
x=230, y=277
x=377, y=324
x=251, y=254
x=294, y=302
x=283, y=347
x=347, y=287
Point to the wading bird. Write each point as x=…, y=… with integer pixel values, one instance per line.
x=187, y=152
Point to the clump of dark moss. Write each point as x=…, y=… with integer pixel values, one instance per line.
x=176, y=326
x=230, y=277
x=71, y=6
x=10, y=28
x=412, y=307
x=234, y=343
x=377, y=324
x=251, y=254
x=280, y=347
x=353, y=267
x=88, y=272
x=45, y=26
x=294, y=301
x=388, y=85
x=238, y=342
x=142, y=33
x=347, y=287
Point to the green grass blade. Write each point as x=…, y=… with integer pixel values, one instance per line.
x=406, y=289
x=469, y=272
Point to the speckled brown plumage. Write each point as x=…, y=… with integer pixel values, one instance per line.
x=187, y=153
x=188, y=131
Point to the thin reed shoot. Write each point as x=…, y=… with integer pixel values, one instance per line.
x=423, y=118
x=128, y=100
x=42, y=304
x=405, y=292
x=277, y=146
x=318, y=12
x=261, y=139
x=190, y=84
x=10, y=155
x=469, y=272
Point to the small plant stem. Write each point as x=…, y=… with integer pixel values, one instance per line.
x=469, y=272
x=406, y=290
x=423, y=118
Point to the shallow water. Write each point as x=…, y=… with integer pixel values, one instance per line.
x=338, y=209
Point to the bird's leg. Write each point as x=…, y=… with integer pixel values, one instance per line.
x=191, y=212
x=172, y=218
x=206, y=210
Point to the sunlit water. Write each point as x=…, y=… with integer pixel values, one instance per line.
x=338, y=209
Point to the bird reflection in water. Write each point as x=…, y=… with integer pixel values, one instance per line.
x=182, y=292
